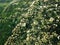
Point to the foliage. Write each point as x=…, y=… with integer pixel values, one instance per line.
x=36, y=22
x=5, y=30
x=5, y=1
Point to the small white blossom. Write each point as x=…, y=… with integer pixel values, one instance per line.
x=58, y=17
x=23, y=24
x=58, y=37
x=27, y=38
x=44, y=6
x=56, y=5
x=41, y=7
x=51, y=19
x=55, y=25
x=50, y=9
x=57, y=20
x=28, y=31
x=35, y=22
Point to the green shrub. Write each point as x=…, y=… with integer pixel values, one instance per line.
x=37, y=22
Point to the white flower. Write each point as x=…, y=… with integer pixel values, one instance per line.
x=28, y=31
x=51, y=19
x=44, y=6
x=58, y=17
x=55, y=25
x=41, y=7
x=35, y=22
x=57, y=20
x=58, y=37
x=23, y=24
x=50, y=9
x=27, y=38
x=56, y=5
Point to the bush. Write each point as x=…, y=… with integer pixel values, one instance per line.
x=37, y=22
